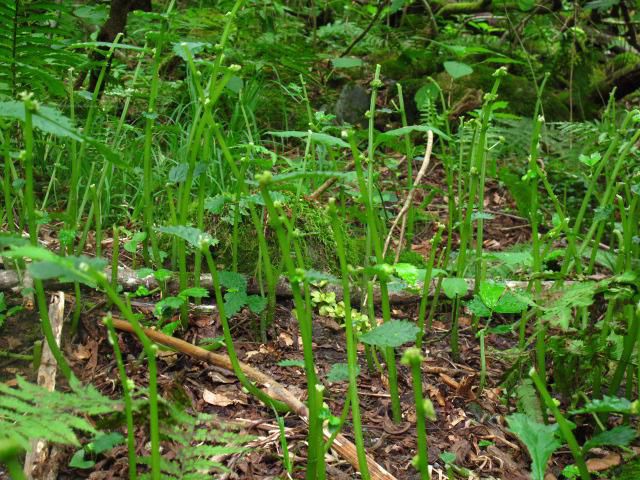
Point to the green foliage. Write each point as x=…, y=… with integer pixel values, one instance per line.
x=34, y=47
x=454, y=287
x=31, y=412
x=100, y=444
x=559, y=311
x=540, y=439
x=393, y=333
x=200, y=442
x=6, y=311
x=340, y=372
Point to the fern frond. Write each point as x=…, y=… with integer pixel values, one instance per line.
x=33, y=49
x=31, y=412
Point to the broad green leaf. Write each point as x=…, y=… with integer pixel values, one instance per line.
x=590, y=160
x=78, y=460
x=321, y=138
x=393, y=333
x=144, y=272
x=620, y=436
x=168, y=304
x=540, y=440
x=46, y=119
x=346, y=62
x=340, y=372
x=526, y=5
x=171, y=327
x=178, y=173
x=194, y=292
x=490, y=293
x=608, y=404
x=104, y=442
x=162, y=274
x=560, y=311
x=527, y=401
x=458, y=69
x=193, y=236
x=407, y=272
x=193, y=48
x=399, y=132
x=454, y=287
x=215, y=204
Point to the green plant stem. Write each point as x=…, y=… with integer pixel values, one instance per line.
x=6, y=183
x=149, y=349
x=435, y=243
x=233, y=357
x=414, y=359
x=29, y=108
x=304, y=321
x=565, y=428
x=352, y=355
x=128, y=404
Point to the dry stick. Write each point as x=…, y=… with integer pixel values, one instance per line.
x=41, y=461
x=341, y=445
x=407, y=203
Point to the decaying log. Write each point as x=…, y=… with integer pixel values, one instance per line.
x=341, y=445
x=130, y=281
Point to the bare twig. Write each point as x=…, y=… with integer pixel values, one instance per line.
x=341, y=444
x=401, y=217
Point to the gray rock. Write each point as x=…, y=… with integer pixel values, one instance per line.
x=352, y=105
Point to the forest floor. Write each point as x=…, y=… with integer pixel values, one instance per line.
x=469, y=424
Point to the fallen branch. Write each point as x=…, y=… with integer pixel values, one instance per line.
x=130, y=281
x=341, y=444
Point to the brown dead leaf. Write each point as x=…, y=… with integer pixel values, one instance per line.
x=435, y=394
x=220, y=400
x=167, y=356
x=604, y=463
x=464, y=388
x=286, y=339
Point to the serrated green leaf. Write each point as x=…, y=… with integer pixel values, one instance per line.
x=477, y=307
x=105, y=441
x=194, y=292
x=540, y=439
x=232, y=280
x=256, y=303
x=340, y=372
x=234, y=301
x=393, y=333
x=606, y=404
x=619, y=436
